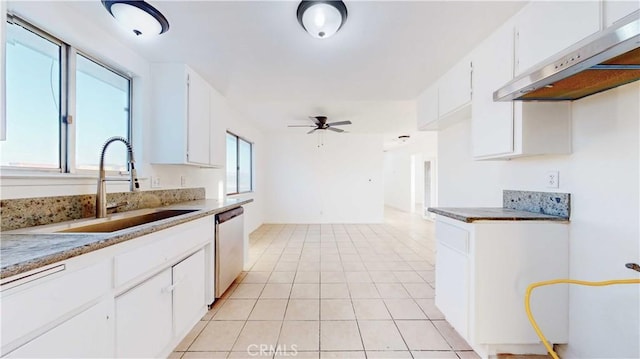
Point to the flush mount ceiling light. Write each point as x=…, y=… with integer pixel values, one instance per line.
x=138, y=16
x=321, y=19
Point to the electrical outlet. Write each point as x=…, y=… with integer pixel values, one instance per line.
x=183, y=181
x=155, y=181
x=552, y=179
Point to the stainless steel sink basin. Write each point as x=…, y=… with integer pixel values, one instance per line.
x=126, y=222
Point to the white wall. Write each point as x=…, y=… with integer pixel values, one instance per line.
x=339, y=182
x=63, y=22
x=602, y=175
x=397, y=170
x=397, y=180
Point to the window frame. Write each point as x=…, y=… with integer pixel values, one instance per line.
x=238, y=139
x=67, y=108
x=74, y=52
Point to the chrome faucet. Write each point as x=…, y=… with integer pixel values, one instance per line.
x=101, y=195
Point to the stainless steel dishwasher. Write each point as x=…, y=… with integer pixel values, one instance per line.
x=229, y=248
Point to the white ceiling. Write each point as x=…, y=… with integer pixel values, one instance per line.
x=370, y=72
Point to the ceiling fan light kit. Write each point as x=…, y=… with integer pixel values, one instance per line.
x=138, y=16
x=321, y=19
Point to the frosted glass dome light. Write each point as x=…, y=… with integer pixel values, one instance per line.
x=137, y=16
x=322, y=19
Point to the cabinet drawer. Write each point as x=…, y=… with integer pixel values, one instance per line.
x=452, y=237
x=166, y=245
x=47, y=299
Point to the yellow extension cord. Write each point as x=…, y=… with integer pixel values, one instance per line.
x=532, y=286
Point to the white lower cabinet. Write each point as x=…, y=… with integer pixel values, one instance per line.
x=482, y=271
x=188, y=292
x=453, y=275
x=163, y=307
x=143, y=318
x=86, y=335
x=136, y=299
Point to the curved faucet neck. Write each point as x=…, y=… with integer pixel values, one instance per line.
x=110, y=141
x=101, y=194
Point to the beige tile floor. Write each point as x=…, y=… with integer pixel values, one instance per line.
x=332, y=291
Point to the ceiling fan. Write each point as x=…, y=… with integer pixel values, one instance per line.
x=320, y=123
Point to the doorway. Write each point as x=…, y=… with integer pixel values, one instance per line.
x=427, y=188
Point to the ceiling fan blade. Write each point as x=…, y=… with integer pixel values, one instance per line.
x=315, y=120
x=312, y=131
x=334, y=129
x=339, y=123
x=301, y=126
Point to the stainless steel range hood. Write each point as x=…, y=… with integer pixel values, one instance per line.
x=598, y=63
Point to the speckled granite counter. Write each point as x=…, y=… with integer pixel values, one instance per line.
x=472, y=214
x=22, y=252
x=29, y=212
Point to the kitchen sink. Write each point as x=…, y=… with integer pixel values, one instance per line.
x=126, y=222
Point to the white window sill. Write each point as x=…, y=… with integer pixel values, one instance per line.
x=28, y=178
x=19, y=174
x=239, y=195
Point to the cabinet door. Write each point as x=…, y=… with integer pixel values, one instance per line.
x=454, y=88
x=143, y=318
x=220, y=116
x=42, y=301
x=188, y=293
x=615, y=10
x=87, y=335
x=547, y=27
x=427, y=107
x=452, y=275
x=198, y=117
x=492, y=122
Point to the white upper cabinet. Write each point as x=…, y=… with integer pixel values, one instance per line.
x=492, y=122
x=220, y=115
x=544, y=28
x=198, y=119
x=503, y=130
x=182, y=117
x=455, y=88
x=615, y=10
x=427, y=108
x=448, y=100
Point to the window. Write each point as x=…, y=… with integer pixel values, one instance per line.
x=102, y=111
x=61, y=105
x=239, y=165
x=33, y=100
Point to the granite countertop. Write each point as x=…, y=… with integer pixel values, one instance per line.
x=472, y=214
x=22, y=252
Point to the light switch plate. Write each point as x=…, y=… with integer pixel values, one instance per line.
x=552, y=179
x=155, y=182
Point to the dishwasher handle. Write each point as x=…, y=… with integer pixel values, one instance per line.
x=228, y=215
